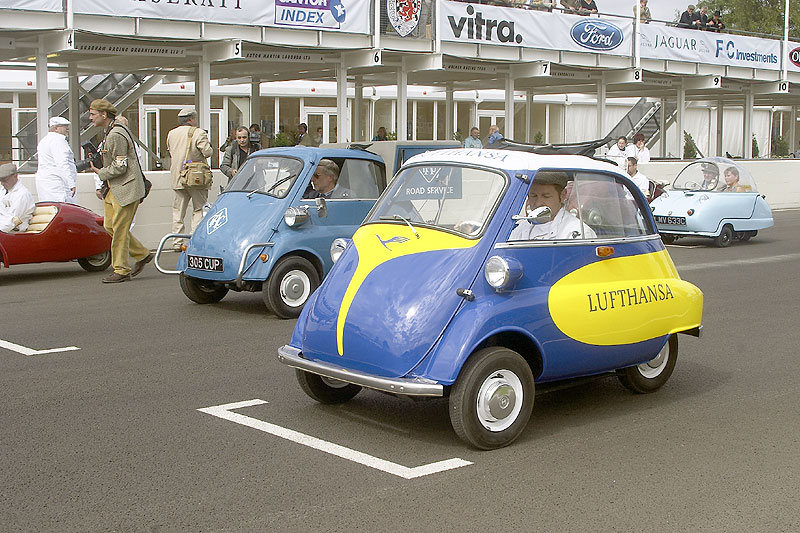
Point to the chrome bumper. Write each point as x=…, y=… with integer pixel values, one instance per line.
x=291, y=356
x=160, y=249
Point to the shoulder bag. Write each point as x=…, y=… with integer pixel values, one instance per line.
x=195, y=174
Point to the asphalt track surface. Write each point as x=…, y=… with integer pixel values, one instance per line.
x=109, y=436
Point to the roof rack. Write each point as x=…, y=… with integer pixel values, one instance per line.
x=586, y=148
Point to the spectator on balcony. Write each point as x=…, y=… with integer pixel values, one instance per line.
x=644, y=13
x=715, y=23
x=638, y=149
x=587, y=7
x=571, y=6
x=703, y=15
x=690, y=18
x=540, y=5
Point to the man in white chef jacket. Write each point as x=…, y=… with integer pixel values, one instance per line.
x=56, y=176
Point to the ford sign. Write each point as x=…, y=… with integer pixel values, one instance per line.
x=596, y=34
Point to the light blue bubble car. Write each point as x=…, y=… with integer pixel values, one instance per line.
x=712, y=197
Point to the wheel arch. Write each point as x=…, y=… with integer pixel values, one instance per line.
x=517, y=341
x=311, y=257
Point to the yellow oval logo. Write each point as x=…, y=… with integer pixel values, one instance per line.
x=625, y=300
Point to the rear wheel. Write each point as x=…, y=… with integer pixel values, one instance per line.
x=747, y=235
x=289, y=286
x=652, y=375
x=725, y=237
x=202, y=291
x=96, y=263
x=492, y=399
x=326, y=390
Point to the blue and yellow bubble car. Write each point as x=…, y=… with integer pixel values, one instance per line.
x=481, y=273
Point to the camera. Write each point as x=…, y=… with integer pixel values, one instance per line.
x=93, y=157
x=255, y=139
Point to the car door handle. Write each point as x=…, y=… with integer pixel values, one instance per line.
x=604, y=251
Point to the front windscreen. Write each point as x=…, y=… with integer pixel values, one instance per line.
x=272, y=175
x=715, y=174
x=448, y=197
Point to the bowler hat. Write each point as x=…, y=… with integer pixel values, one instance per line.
x=7, y=170
x=101, y=104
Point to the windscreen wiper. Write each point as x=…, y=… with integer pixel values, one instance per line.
x=398, y=217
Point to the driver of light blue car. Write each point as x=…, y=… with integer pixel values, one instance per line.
x=325, y=182
x=549, y=190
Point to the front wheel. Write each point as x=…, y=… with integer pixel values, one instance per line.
x=96, y=263
x=289, y=286
x=202, y=291
x=652, y=375
x=492, y=399
x=724, y=238
x=326, y=390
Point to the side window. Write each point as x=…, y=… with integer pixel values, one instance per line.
x=364, y=179
x=606, y=205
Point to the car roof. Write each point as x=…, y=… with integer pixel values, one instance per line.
x=513, y=160
x=309, y=152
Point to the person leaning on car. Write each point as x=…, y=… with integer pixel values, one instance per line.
x=126, y=189
x=16, y=202
x=237, y=152
x=549, y=189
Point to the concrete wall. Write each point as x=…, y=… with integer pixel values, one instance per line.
x=779, y=180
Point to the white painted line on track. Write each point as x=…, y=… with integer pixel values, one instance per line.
x=225, y=412
x=30, y=351
x=730, y=262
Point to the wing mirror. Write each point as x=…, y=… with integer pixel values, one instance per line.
x=540, y=215
x=322, y=207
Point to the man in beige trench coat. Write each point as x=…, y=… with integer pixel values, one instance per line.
x=177, y=141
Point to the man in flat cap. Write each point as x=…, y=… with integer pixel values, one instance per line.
x=549, y=189
x=16, y=202
x=56, y=176
x=186, y=143
x=125, y=179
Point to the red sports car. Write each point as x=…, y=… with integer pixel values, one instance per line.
x=59, y=232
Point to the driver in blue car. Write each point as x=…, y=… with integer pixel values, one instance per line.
x=549, y=189
x=325, y=182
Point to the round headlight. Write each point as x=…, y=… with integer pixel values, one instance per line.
x=501, y=272
x=496, y=272
x=294, y=216
x=337, y=248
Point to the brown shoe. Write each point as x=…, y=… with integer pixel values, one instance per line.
x=116, y=278
x=139, y=266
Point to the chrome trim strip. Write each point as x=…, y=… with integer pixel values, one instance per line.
x=291, y=356
x=576, y=242
x=240, y=273
x=161, y=249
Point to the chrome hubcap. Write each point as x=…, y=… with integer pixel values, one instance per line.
x=99, y=259
x=499, y=400
x=655, y=366
x=334, y=383
x=295, y=288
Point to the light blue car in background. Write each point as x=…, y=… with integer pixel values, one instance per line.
x=712, y=197
x=263, y=235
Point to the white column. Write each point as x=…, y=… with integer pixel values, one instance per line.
x=679, y=121
x=276, y=126
x=601, y=109
x=203, y=90
x=793, y=130
x=343, y=125
x=747, y=125
x=509, y=130
x=449, y=127
x=547, y=124
x=358, y=118
x=402, y=104
x=662, y=143
x=529, y=116
x=414, y=120
x=74, y=111
x=435, y=120
x=42, y=96
x=255, y=101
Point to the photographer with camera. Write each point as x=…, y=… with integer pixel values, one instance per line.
x=237, y=152
x=56, y=175
x=126, y=188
